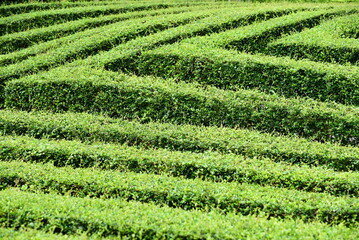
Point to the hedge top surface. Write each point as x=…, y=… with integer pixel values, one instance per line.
x=116, y=217
x=338, y=32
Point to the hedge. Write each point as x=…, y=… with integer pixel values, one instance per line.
x=41, y=48
x=187, y=194
x=213, y=24
x=328, y=42
x=232, y=70
x=31, y=234
x=26, y=21
x=90, y=128
x=255, y=37
x=221, y=21
x=98, y=39
x=20, y=40
x=112, y=217
x=84, y=89
x=209, y=166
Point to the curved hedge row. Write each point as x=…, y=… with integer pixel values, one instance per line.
x=327, y=42
x=84, y=89
x=209, y=180
x=26, y=21
x=41, y=48
x=21, y=40
x=114, y=58
x=232, y=70
x=187, y=194
x=209, y=166
x=31, y=234
x=91, y=128
x=130, y=219
x=255, y=37
x=94, y=41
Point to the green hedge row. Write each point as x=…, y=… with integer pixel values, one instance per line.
x=209, y=166
x=227, y=20
x=98, y=39
x=20, y=40
x=41, y=48
x=223, y=19
x=111, y=217
x=328, y=42
x=12, y=9
x=182, y=193
x=84, y=89
x=255, y=37
x=26, y=21
x=90, y=128
x=31, y=234
x=231, y=70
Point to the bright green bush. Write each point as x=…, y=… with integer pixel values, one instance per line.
x=141, y=148
x=41, y=48
x=221, y=21
x=12, y=9
x=114, y=58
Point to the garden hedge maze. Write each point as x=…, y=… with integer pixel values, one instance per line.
x=179, y=120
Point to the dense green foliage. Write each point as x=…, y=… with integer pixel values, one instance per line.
x=20, y=40
x=284, y=76
x=209, y=166
x=30, y=234
x=99, y=39
x=91, y=128
x=90, y=42
x=118, y=218
x=179, y=120
x=83, y=89
x=31, y=20
x=333, y=41
x=254, y=38
x=187, y=194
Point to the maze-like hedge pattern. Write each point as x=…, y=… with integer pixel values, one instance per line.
x=179, y=120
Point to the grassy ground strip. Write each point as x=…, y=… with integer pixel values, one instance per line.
x=182, y=193
x=209, y=166
x=91, y=128
x=84, y=89
x=138, y=221
x=328, y=42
